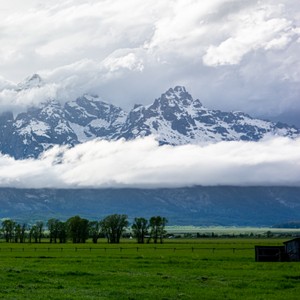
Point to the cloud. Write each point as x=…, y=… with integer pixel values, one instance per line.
x=232, y=54
x=16, y=101
x=142, y=163
x=259, y=28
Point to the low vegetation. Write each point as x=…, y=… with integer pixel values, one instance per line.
x=81, y=259
x=201, y=268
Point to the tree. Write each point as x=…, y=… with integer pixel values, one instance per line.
x=40, y=230
x=94, y=231
x=78, y=229
x=157, y=228
x=36, y=232
x=23, y=232
x=52, y=225
x=113, y=226
x=17, y=232
x=140, y=229
x=8, y=229
x=62, y=232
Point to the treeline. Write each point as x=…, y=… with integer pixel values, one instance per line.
x=79, y=230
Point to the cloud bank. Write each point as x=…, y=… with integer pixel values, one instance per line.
x=232, y=54
x=143, y=164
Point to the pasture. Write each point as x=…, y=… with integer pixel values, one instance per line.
x=178, y=269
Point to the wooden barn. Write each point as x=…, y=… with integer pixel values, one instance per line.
x=292, y=249
x=270, y=253
x=289, y=252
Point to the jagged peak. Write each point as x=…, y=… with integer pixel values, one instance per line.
x=177, y=90
x=92, y=97
x=178, y=95
x=32, y=81
x=35, y=76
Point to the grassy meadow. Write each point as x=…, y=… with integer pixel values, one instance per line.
x=178, y=269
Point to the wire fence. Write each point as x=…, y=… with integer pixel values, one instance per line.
x=120, y=249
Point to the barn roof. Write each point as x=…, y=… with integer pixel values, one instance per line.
x=293, y=240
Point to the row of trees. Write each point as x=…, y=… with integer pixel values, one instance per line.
x=78, y=230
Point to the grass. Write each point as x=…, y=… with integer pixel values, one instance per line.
x=178, y=269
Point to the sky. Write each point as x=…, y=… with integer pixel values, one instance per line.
x=233, y=55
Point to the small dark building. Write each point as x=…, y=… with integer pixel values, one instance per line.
x=292, y=249
x=270, y=253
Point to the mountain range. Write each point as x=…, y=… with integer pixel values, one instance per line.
x=199, y=206
x=174, y=118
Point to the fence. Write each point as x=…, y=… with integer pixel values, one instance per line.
x=120, y=249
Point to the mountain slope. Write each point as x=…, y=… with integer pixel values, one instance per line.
x=223, y=205
x=89, y=117
x=174, y=118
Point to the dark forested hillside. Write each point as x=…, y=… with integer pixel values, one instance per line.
x=251, y=206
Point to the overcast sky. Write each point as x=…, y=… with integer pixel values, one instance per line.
x=231, y=54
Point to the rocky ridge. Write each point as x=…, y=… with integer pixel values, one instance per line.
x=174, y=118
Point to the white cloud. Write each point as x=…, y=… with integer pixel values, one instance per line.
x=232, y=54
x=5, y=84
x=142, y=163
x=250, y=31
x=17, y=101
x=128, y=61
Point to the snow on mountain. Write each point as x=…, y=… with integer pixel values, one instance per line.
x=34, y=81
x=90, y=117
x=174, y=118
x=40, y=128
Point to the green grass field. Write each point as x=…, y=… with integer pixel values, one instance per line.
x=178, y=269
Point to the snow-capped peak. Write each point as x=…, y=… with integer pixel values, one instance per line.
x=33, y=81
x=92, y=98
x=176, y=96
x=174, y=118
